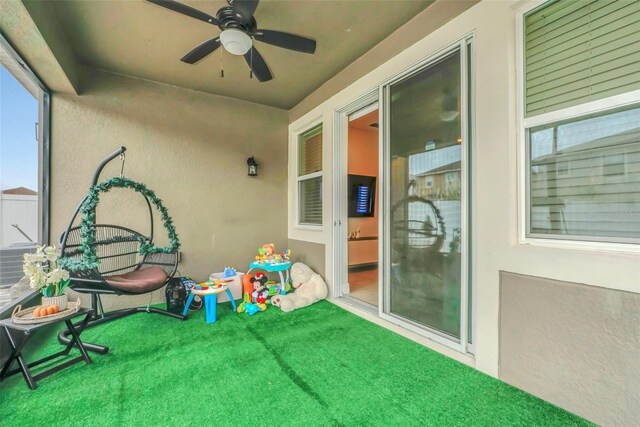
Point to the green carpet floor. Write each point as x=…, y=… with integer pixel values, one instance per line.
x=316, y=366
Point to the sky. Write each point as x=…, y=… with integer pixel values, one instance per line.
x=18, y=145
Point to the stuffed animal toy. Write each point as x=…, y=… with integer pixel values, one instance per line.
x=269, y=249
x=310, y=287
x=260, y=290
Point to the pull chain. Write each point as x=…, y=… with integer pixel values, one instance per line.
x=221, y=64
x=251, y=67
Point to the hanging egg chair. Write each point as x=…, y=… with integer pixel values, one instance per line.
x=417, y=233
x=111, y=259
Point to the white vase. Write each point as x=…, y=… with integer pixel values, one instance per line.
x=60, y=301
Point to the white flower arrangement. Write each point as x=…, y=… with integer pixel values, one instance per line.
x=44, y=271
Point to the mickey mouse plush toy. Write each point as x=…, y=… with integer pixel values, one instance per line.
x=260, y=290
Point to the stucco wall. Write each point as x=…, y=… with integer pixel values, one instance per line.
x=310, y=253
x=495, y=239
x=575, y=345
x=189, y=147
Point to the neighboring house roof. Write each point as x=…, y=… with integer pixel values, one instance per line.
x=455, y=166
x=631, y=136
x=20, y=191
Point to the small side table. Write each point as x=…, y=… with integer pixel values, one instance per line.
x=210, y=301
x=280, y=267
x=29, y=331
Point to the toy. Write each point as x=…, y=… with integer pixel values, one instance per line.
x=229, y=272
x=247, y=285
x=310, y=287
x=250, y=308
x=260, y=292
x=269, y=249
x=267, y=255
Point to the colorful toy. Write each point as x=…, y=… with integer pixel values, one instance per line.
x=250, y=308
x=247, y=285
x=267, y=255
x=262, y=255
x=269, y=249
x=229, y=272
x=260, y=292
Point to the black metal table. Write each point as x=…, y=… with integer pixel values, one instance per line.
x=12, y=329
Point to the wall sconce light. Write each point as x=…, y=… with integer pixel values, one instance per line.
x=252, y=166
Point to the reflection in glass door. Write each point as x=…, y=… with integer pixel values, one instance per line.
x=426, y=173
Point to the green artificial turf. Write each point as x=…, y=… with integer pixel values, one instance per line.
x=316, y=366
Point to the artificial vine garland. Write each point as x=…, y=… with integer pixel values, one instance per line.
x=88, y=243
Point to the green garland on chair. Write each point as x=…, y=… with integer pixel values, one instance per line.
x=90, y=259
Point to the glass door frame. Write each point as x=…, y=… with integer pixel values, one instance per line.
x=380, y=94
x=340, y=222
x=460, y=344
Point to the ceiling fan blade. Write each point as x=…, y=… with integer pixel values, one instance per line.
x=244, y=9
x=286, y=40
x=257, y=65
x=202, y=50
x=185, y=10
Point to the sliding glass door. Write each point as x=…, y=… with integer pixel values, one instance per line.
x=426, y=164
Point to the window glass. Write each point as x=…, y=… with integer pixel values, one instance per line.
x=311, y=201
x=310, y=152
x=310, y=177
x=584, y=176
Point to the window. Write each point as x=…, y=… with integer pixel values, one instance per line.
x=429, y=181
x=310, y=177
x=24, y=156
x=581, y=116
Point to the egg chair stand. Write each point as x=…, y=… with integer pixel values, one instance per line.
x=108, y=259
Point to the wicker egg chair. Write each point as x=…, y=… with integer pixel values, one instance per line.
x=110, y=259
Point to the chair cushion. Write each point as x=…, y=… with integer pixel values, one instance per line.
x=139, y=281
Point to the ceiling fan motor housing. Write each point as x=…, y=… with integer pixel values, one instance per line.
x=227, y=19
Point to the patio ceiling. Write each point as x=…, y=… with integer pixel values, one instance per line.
x=140, y=39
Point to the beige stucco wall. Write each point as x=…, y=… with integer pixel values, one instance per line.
x=309, y=253
x=496, y=241
x=189, y=147
x=575, y=345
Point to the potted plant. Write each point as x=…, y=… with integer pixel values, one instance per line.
x=45, y=275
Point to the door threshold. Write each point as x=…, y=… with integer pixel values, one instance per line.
x=370, y=313
x=359, y=304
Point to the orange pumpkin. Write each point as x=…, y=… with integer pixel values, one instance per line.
x=36, y=312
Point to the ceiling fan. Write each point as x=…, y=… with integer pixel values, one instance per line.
x=239, y=30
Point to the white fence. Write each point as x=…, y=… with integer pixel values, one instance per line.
x=20, y=210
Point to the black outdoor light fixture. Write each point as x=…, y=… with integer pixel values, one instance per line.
x=253, y=166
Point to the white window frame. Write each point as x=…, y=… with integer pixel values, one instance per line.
x=523, y=124
x=44, y=144
x=295, y=155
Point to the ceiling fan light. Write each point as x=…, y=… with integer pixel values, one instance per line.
x=235, y=41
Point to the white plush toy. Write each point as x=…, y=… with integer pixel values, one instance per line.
x=310, y=287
